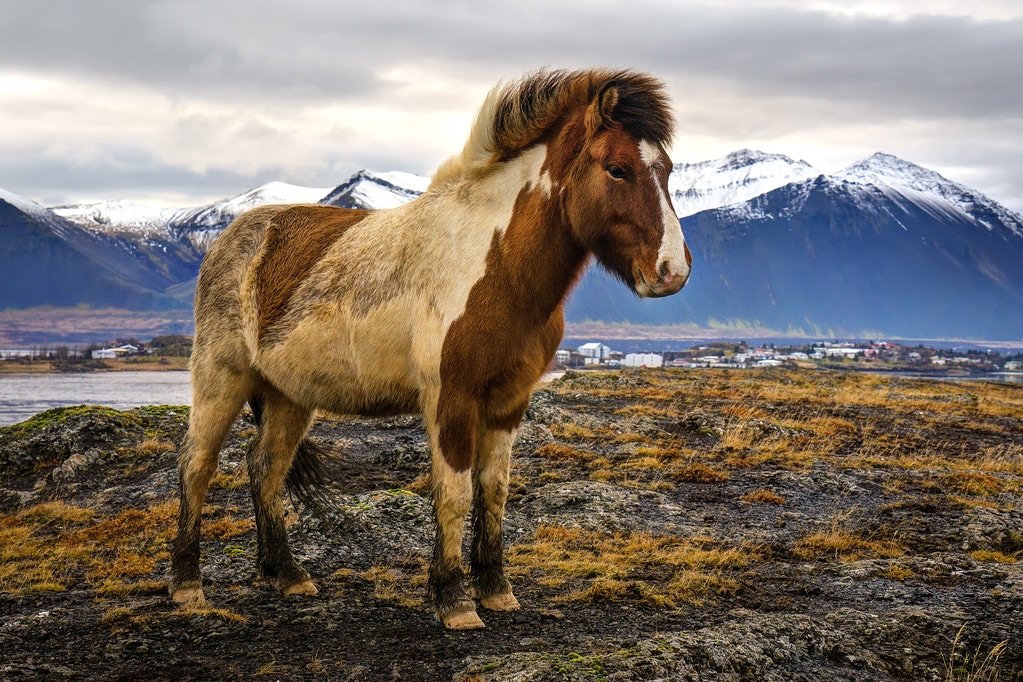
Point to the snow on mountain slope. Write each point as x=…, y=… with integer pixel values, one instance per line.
x=273, y=193
x=270, y=193
x=120, y=216
x=22, y=204
x=898, y=178
x=202, y=224
x=149, y=220
x=368, y=189
x=735, y=178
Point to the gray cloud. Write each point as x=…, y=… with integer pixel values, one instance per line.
x=739, y=72
x=264, y=50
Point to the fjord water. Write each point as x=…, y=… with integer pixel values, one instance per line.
x=23, y=395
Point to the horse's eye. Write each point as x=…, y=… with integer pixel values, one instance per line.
x=616, y=172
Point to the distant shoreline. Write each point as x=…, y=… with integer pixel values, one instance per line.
x=148, y=364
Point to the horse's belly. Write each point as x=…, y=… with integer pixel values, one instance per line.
x=348, y=365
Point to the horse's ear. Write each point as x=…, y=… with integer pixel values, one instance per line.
x=600, y=113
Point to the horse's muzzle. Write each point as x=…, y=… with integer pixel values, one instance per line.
x=666, y=286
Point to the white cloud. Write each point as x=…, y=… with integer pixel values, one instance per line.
x=192, y=101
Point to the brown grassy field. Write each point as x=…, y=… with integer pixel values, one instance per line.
x=778, y=524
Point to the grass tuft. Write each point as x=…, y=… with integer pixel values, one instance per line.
x=845, y=546
x=763, y=496
x=660, y=571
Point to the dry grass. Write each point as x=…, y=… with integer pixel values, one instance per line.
x=962, y=665
x=231, y=480
x=209, y=612
x=968, y=435
x=570, y=431
x=643, y=410
x=845, y=546
x=54, y=547
x=993, y=556
x=899, y=572
x=763, y=496
x=972, y=483
x=635, y=567
x=155, y=446
x=404, y=584
x=560, y=451
x=57, y=513
x=697, y=473
x=626, y=437
x=421, y=485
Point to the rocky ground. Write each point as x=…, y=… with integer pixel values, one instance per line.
x=766, y=525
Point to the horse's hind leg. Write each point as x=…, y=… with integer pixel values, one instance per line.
x=284, y=423
x=217, y=396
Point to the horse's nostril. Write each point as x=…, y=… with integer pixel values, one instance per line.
x=664, y=269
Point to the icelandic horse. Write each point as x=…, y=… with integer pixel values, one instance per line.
x=450, y=306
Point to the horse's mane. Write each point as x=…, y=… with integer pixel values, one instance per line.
x=515, y=115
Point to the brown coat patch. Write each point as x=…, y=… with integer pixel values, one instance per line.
x=494, y=353
x=296, y=240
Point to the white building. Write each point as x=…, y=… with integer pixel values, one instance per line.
x=562, y=356
x=594, y=352
x=768, y=363
x=119, y=352
x=643, y=360
x=842, y=351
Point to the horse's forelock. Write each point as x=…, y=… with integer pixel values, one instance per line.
x=528, y=107
x=515, y=115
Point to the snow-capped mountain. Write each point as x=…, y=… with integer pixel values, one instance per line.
x=732, y=179
x=47, y=260
x=884, y=247
x=367, y=189
x=905, y=181
x=200, y=225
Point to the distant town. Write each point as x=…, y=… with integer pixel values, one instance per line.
x=172, y=351
x=168, y=352
x=873, y=355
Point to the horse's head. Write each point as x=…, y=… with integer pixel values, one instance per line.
x=616, y=196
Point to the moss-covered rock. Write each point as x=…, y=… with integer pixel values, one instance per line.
x=51, y=437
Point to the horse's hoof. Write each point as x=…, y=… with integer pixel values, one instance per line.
x=500, y=602
x=464, y=618
x=306, y=588
x=190, y=595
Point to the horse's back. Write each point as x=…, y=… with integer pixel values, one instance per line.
x=295, y=241
x=255, y=265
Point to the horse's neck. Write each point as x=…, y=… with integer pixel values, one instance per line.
x=541, y=260
x=511, y=219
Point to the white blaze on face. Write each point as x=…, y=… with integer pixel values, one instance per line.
x=673, y=243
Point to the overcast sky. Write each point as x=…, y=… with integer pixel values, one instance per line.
x=183, y=102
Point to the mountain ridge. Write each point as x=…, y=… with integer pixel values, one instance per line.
x=805, y=227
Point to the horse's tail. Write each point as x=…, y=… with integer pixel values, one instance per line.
x=307, y=478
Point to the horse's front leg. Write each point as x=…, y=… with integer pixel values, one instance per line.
x=452, y=427
x=490, y=492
